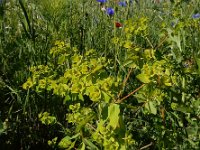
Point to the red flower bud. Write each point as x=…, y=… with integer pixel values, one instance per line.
x=118, y=25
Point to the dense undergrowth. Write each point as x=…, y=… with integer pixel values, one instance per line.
x=96, y=74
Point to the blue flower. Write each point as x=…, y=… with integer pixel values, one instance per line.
x=196, y=16
x=110, y=11
x=102, y=1
x=123, y=4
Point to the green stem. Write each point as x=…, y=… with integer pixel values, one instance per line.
x=183, y=86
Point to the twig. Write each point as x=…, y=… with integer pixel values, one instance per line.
x=124, y=82
x=140, y=107
x=146, y=146
x=120, y=100
x=149, y=42
x=162, y=41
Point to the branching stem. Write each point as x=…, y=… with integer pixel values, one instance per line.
x=120, y=100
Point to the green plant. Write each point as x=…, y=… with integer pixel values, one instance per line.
x=70, y=78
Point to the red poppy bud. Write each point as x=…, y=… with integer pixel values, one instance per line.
x=118, y=25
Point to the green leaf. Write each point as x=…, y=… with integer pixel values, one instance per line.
x=123, y=147
x=113, y=115
x=106, y=97
x=102, y=128
x=129, y=63
x=65, y=142
x=72, y=145
x=151, y=107
x=166, y=81
x=83, y=146
x=1, y=127
x=97, y=68
x=90, y=144
x=82, y=123
x=192, y=131
x=196, y=103
x=80, y=96
x=175, y=39
x=168, y=84
x=67, y=98
x=184, y=109
x=140, y=97
x=61, y=59
x=143, y=78
x=104, y=112
x=128, y=44
x=198, y=64
x=181, y=108
x=75, y=136
x=46, y=119
x=53, y=141
x=174, y=106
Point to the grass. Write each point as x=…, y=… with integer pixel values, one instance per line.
x=29, y=29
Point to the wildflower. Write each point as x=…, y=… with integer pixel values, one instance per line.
x=103, y=8
x=196, y=16
x=110, y=11
x=123, y=4
x=118, y=25
x=102, y=1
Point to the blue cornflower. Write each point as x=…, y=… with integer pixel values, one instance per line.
x=123, y=4
x=102, y=1
x=196, y=16
x=110, y=11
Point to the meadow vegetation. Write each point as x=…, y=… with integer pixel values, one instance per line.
x=100, y=74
